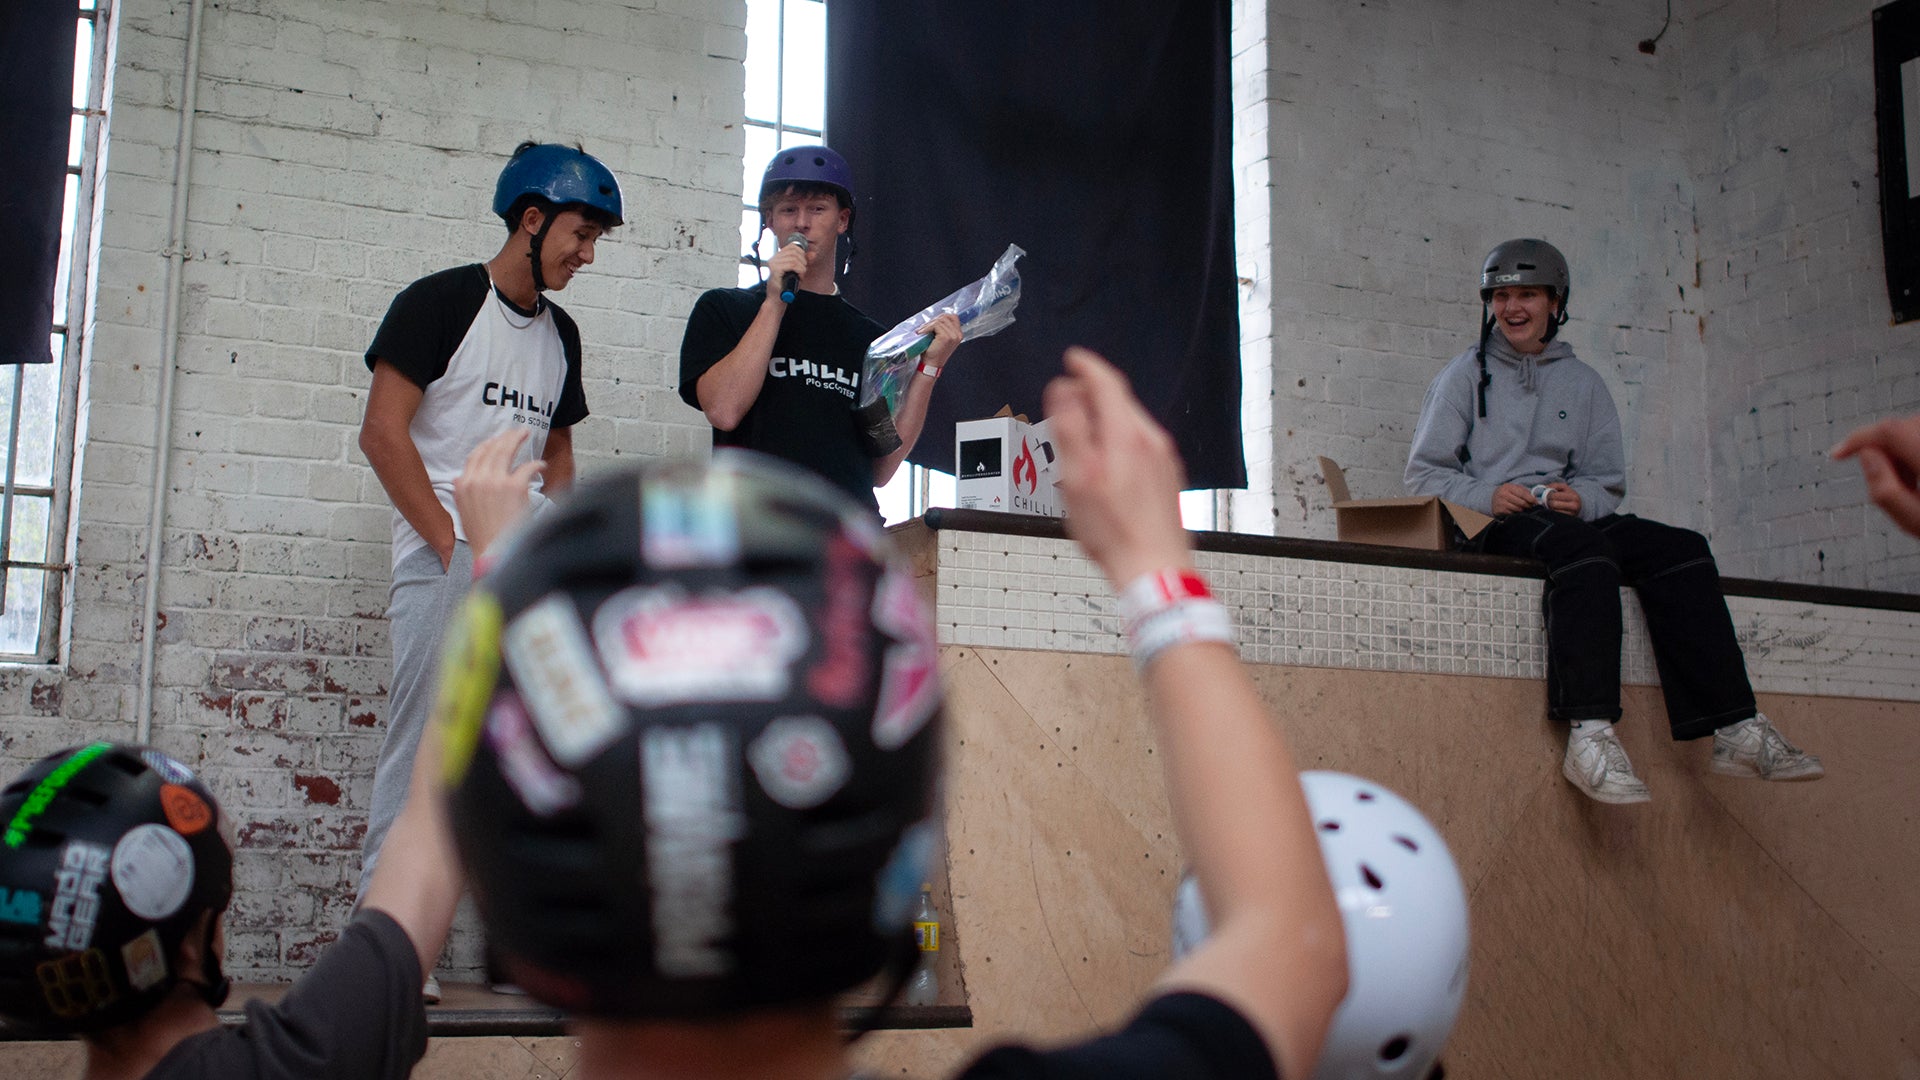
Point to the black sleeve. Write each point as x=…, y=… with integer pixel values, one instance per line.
x=713, y=330
x=1178, y=1035
x=573, y=397
x=357, y=1015
x=427, y=322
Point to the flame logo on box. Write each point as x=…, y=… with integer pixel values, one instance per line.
x=1025, y=476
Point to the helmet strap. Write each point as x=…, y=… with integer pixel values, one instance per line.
x=1486, y=377
x=533, y=248
x=212, y=986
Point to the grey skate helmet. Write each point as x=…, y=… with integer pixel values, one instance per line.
x=692, y=720
x=1525, y=262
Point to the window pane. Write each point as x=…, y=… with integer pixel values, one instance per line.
x=69, y=206
x=20, y=622
x=760, y=148
x=763, y=44
x=29, y=530
x=82, y=62
x=40, y=382
x=805, y=102
x=76, y=137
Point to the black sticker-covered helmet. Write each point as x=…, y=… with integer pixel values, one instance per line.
x=692, y=720
x=110, y=856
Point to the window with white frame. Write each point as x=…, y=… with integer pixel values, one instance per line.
x=787, y=106
x=37, y=401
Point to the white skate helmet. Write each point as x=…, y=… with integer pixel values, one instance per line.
x=1405, y=912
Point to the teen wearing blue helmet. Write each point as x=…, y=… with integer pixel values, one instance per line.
x=778, y=370
x=461, y=355
x=1520, y=429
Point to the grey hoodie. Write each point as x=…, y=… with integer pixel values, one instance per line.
x=1549, y=417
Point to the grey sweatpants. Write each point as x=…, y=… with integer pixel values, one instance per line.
x=419, y=606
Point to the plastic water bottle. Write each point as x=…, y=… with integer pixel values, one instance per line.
x=923, y=987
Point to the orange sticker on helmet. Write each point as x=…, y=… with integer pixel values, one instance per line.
x=187, y=812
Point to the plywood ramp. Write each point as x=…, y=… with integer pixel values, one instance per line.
x=1731, y=928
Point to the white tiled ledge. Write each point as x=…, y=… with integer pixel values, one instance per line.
x=1028, y=592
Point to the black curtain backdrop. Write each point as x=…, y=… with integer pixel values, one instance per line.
x=1896, y=41
x=1096, y=134
x=36, y=83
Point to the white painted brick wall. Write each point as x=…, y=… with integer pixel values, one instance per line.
x=1797, y=323
x=340, y=151
x=1404, y=141
x=1718, y=203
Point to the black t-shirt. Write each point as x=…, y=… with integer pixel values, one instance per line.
x=804, y=413
x=357, y=1015
x=1178, y=1035
x=428, y=320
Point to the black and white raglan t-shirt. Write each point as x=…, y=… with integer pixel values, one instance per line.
x=485, y=366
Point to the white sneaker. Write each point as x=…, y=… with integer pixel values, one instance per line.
x=1597, y=764
x=430, y=991
x=1755, y=748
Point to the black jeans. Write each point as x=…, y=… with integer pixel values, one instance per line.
x=1702, y=673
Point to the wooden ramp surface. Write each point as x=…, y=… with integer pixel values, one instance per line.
x=1729, y=929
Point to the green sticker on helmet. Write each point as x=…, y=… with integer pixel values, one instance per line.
x=55, y=781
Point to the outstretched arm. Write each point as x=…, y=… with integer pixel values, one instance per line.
x=1277, y=952
x=1889, y=455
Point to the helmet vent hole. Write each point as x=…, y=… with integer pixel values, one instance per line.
x=1329, y=826
x=1525, y=266
x=1394, y=1048
x=87, y=795
x=1372, y=879
x=1364, y=796
x=1406, y=842
x=820, y=162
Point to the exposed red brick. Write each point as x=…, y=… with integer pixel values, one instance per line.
x=319, y=789
x=44, y=698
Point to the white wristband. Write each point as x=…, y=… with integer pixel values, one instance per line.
x=1171, y=607
x=931, y=371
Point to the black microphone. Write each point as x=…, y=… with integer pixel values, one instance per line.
x=790, y=281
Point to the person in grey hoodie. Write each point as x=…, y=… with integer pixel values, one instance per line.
x=1520, y=429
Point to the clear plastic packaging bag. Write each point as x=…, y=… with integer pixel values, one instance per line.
x=984, y=308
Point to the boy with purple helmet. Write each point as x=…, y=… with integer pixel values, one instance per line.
x=777, y=368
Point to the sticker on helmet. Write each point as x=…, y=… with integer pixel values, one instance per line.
x=170, y=770
x=153, y=870
x=76, y=896
x=77, y=984
x=21, y=906
x=692, y=806
x=689, y=524
x=47, y=788
x=542, y=788
x=840, y=678
x=145, y=960
x=800, y=761
x=468, y=671
x=909, y=673
x=186, y=811
x=546, y=649
x=661, y=646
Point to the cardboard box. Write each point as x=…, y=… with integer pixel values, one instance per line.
x=1005, y=464
x=1415, y=521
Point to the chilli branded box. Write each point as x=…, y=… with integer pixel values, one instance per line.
x=1006, y=464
